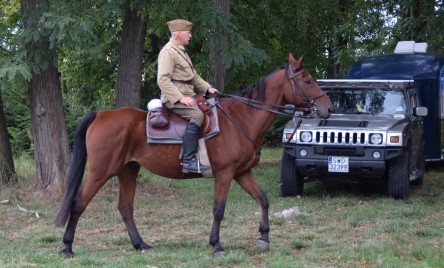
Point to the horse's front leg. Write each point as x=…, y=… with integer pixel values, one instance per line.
x=248, y=182
x=127, y=181
x=221, y=187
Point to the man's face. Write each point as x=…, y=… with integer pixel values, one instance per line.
x=183, y=37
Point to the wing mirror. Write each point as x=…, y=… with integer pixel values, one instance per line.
x=420, y=111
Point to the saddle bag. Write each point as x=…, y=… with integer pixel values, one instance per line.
x=159, y=117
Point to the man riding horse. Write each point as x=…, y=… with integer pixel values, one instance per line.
x=177, y=80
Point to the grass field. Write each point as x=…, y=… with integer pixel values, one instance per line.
x=340, y=225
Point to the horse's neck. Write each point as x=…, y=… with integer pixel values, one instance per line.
x=253, y=122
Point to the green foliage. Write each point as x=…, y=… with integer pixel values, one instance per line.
x=68, y=27
x=240, y=52
x=55, y=25
x=273, y=136
x=16, y=110
x=12, y=56
x=85, y=35
x=14, y=68
x=66, y=31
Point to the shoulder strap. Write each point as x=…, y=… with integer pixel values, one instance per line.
x=189, y=63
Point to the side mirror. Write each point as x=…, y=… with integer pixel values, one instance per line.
x=420, y=111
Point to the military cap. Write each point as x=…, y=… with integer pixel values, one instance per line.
x=179, y=25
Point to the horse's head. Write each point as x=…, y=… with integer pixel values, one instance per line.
x=304, y=91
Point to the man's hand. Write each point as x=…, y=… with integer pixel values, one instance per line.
x=188, y=101
x=212, y=90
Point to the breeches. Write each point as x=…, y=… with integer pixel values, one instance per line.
x=193, y=113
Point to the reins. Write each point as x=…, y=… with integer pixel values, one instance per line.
x=260, y=105
x=277, y=109
x=256, y=147
x=273, y=108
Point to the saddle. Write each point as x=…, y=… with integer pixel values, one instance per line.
x=166, y=127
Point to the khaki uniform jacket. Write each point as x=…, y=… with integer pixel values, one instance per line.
x=174, y=64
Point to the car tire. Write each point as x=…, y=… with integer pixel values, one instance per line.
x=399, y=175
x=292, y=183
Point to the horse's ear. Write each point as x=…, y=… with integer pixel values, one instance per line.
x=291, y=59
x=298, y=64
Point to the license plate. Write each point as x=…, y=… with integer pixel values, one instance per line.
x=337, y=164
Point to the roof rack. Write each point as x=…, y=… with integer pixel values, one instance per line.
x=410, y=47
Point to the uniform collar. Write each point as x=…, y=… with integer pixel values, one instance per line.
x=177, y=44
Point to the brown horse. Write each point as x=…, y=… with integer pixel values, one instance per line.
x=115, y=144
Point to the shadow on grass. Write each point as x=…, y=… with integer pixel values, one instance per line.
x=340, y=187
x=435, y=165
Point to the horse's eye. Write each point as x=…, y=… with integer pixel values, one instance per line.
x=308, y=82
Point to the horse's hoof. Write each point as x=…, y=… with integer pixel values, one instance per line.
x=145, y=248
x=66, y=255
x=262, y=245
x=219, y=253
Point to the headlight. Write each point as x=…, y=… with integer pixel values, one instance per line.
x=305, y=136
x=376, y=138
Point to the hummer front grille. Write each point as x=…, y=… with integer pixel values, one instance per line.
x=337, y=137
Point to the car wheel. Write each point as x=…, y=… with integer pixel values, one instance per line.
x=292, y=183
x=399, y=175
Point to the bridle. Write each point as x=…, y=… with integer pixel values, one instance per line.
x=306, y=99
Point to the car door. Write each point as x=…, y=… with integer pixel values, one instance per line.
x=416, y=128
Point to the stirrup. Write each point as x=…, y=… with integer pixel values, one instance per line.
x=193, y=166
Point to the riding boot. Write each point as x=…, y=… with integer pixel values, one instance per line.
x=190, y=143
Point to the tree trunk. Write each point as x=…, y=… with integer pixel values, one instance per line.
x=7, y=170
x=51, y=151
x=218, y=46
x=129, y=76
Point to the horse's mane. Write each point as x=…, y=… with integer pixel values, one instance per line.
x=248, y=91
x=259, y=86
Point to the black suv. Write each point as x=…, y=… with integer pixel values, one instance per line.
x=376, y=132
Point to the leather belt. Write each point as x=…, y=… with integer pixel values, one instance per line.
x=188, y=82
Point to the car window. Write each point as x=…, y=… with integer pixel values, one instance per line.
x=363, y=100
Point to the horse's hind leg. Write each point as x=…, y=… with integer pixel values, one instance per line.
x=127, y=180
x=80, y=202
x=248, y=182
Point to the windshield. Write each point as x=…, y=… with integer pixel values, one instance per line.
x=364, y=100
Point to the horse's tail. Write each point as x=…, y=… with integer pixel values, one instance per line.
x=76, y=169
